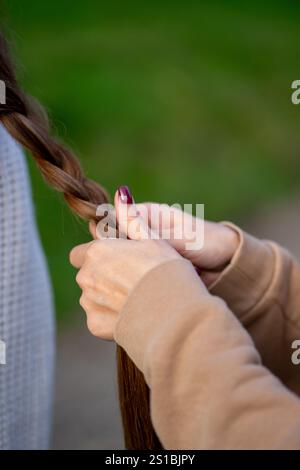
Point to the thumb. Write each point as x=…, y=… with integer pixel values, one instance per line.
x=131, y=223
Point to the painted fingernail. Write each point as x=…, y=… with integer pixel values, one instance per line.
x=125, y=195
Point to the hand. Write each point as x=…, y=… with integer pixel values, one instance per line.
x=220, y=241
x=109, y=271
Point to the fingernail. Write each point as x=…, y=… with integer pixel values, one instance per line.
x=125, y=195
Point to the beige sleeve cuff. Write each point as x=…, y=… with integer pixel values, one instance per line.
x=247, y=278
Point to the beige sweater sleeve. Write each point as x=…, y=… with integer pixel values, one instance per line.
x=209, y=389
x=262, y=287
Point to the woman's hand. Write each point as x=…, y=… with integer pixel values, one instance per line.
x=220, y=241
x=109, y=269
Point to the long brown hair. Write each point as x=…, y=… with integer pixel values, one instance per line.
x=26, y=121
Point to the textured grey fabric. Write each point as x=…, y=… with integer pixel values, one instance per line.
x=26, y=314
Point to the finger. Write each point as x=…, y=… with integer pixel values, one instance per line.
x=130, y=221
x=101, y=321
x=159, y=216
x=77, y=254
x=106, y=226
x=146, y=210
x=102, y=326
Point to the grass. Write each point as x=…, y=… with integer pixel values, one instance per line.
x=184, y=102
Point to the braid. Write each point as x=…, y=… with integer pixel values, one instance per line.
x=26, y=121
x=57, y=164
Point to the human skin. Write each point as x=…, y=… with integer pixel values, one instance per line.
x=220, y=241
x=109, y=269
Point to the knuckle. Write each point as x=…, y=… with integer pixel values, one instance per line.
x=98, y=327
x=78, y=278
x=90, y=252
x=81, y=278
x=73, y=256
x=93, y=250
x=82, y=301
x=93, y=326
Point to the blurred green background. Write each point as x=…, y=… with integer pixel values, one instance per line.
x=183, y=101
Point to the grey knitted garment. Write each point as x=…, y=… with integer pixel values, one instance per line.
x=26, y=314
